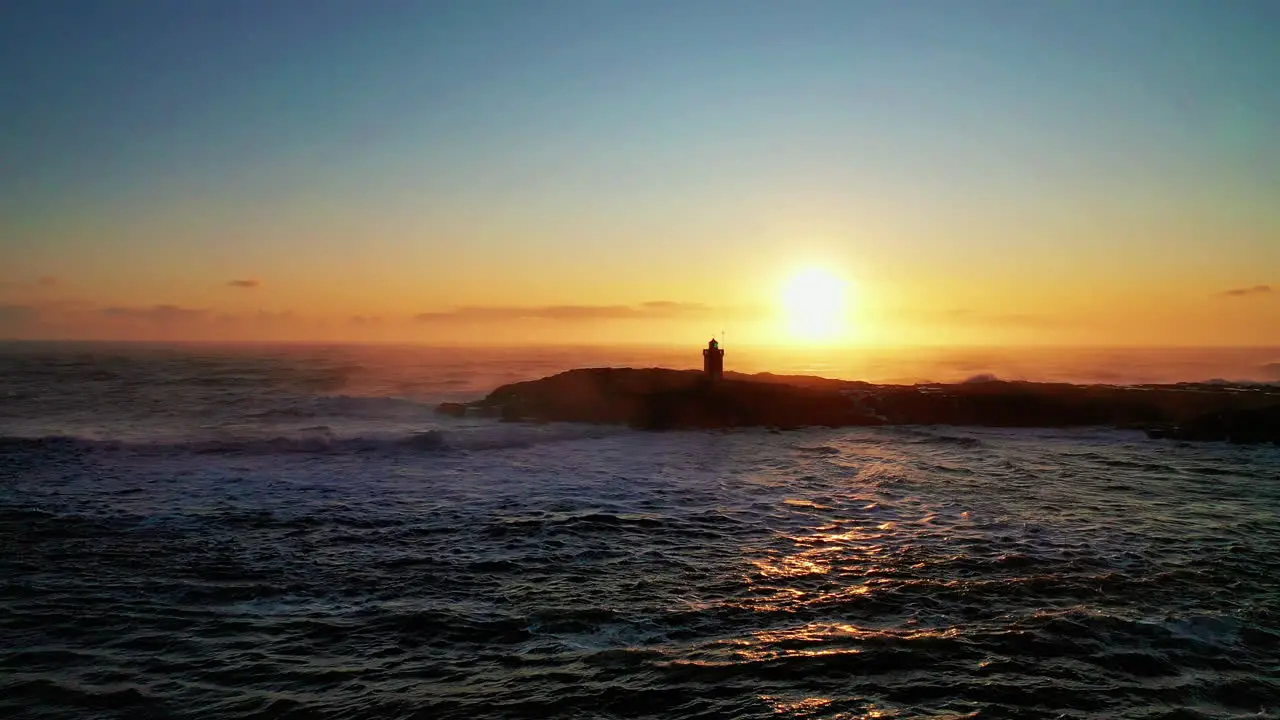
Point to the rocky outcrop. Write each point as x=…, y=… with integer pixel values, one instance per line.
x=658, y=398
x=1247, y=426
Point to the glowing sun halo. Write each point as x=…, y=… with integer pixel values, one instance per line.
x=814, y=301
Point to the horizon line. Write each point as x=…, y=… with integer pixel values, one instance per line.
x=646, y=345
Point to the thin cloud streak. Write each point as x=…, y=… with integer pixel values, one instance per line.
x=1254, y=291
x=247, y=283
x=157, y=313
x=657, y=309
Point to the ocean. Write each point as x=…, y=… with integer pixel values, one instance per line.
x=208, y=531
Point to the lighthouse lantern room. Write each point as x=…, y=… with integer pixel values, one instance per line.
x=713, y=360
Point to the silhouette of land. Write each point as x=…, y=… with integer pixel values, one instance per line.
x=661, y=399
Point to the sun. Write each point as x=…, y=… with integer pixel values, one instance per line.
x=815, y=306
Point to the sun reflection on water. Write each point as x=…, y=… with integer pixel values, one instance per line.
x=846, y=555
x=796, y=708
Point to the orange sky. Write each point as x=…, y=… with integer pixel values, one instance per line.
x=1021, y=174
x=876, y=312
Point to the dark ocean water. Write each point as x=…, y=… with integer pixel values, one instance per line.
x=291, y=533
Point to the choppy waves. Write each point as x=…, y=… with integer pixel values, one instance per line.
x=293, y=533
x=902, y=572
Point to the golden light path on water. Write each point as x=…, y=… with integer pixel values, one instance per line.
x=860, y=556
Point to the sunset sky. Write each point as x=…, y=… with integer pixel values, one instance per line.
x=519, y=171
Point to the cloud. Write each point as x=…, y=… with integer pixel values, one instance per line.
x=157, y=313
x=668, y=308
x=247, y=283
x=657, y=309
x=47, y=281
x=82, y=320
x=1247, y=291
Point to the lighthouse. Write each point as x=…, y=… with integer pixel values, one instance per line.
x=713, y=360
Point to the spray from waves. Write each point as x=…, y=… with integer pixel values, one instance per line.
x=350, y=406
x=1267, y=376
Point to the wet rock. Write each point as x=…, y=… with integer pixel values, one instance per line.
x=1245, y=426
x=452, y=409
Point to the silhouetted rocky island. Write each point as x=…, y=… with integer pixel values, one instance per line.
x=659, y=399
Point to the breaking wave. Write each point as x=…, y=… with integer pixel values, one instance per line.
x=315, y=441
x=935, y=435
x=345, y=406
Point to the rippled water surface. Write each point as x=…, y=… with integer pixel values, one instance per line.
x=332, y=561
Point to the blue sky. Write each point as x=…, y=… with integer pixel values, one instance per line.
x=154, y=146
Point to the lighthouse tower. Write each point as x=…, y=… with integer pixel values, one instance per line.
x=713, y=360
